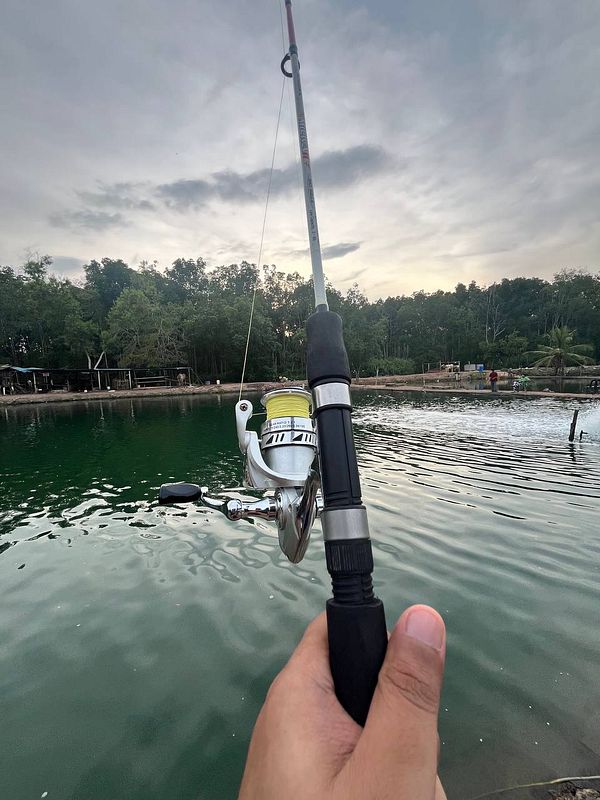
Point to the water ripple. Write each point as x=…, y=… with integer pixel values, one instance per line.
x=137, y=639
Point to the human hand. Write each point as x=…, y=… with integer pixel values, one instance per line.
x=306, y=747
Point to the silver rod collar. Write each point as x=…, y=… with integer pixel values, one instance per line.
x=345, y=523
x=331, y=394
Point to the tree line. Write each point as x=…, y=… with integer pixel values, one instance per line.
x=190, y=315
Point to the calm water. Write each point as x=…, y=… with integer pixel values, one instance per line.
x=137, y=642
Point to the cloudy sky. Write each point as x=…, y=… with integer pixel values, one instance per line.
x=451, y=141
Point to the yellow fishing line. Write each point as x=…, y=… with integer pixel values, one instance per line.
x=287, y=405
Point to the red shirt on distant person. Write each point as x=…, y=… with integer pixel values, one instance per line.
x=493, y=376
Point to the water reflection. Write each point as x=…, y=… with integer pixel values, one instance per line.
x=138, y=639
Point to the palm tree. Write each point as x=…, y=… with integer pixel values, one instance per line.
x=561, y=352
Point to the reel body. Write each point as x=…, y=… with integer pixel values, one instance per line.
x=288, y=443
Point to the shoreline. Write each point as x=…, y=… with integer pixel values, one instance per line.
x=126, y=394
x=260, y=387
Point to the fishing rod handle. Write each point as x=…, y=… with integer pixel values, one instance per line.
x=356, y=626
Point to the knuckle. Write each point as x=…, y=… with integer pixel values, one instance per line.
x=417, y=685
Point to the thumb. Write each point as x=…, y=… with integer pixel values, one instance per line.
x=400, y=742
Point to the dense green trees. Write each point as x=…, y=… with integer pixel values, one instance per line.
x=43, y=320
x=191, y=315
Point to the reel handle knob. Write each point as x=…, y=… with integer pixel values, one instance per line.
x=171, y=493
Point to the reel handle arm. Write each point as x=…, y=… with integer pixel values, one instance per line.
x=241, y=509
x=232, y=508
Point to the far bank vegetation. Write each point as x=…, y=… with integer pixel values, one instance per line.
x=188, y=314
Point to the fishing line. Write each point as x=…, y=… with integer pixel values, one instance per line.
x=540, y=783
x=262, y=238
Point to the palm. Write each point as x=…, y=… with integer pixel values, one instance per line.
x=561, y=352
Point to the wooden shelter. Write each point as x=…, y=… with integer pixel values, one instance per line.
x=35, y=380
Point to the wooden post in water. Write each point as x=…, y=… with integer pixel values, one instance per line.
x=573, y=425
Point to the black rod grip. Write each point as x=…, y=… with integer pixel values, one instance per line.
x=356, y=625
x=326, y=356
x=357, y=644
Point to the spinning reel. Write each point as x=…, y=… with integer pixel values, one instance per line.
x=279, y=463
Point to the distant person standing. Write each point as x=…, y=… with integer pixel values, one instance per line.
x=494, y=380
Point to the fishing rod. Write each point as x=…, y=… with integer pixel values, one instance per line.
x=306, y=462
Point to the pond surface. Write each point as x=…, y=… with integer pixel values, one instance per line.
x=137, y=642
x=568, y=385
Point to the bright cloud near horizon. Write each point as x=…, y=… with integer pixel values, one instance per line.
x=451, y=141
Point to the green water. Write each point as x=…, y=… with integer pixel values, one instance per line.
x=137, y=642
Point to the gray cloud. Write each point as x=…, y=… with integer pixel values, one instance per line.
x=482, y=134
x=106, y=203
x=336, y=169
x=329, y=252
x=341, y=168
x=184, y=194
x=92, y=220
x=117, y=196
x=340, y=250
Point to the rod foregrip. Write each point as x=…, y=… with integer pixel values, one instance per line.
x=355, y=617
